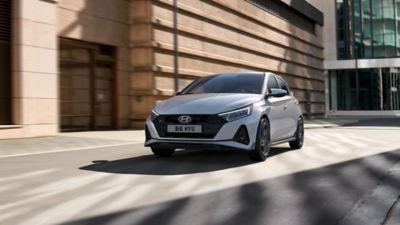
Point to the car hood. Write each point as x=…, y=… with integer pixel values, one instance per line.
x=205, y=103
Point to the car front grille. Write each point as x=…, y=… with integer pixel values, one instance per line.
x=211, y=124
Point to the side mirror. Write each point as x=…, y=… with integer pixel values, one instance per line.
x=177, y=93
x=277, y=92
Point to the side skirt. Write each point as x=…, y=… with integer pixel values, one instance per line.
x=283, y=141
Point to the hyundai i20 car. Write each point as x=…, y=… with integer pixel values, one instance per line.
x=250, y=111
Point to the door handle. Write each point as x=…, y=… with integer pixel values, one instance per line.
x=285, y=106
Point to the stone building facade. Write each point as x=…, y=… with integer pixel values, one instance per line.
x=89, y=65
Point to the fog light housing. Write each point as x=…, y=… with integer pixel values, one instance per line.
x=242, y=136
x=147, y=133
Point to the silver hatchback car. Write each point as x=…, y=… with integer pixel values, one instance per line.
x=250, y=111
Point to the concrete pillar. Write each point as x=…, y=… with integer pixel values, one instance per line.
x=34, y=55
x=142, y=60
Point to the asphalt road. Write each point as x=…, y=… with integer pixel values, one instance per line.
x=320, y=184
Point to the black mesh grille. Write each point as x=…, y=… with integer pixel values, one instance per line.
x=211, y=124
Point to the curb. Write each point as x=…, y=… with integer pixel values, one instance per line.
x=393, y=216
x=321, y=126
x=330, y=125
x=67, y=150
x=374, y=208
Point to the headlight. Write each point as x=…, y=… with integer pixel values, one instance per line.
x=153, y=115
x=236, y=114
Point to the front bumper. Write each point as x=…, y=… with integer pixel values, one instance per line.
x=223, y=139
x=191, y=144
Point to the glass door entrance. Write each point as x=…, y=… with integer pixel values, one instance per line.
x=365, y=89
x=86, y=86
x=394, y=88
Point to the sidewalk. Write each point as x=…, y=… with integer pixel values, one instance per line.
x=69, y=142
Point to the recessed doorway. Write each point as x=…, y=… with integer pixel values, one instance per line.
x=87, y=75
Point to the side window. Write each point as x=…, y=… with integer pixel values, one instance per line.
x=283, y=85
x=272, y=83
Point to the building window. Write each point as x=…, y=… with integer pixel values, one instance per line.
x=5, y=62
x=342, y=44
x=368, y=28
x=284, y=11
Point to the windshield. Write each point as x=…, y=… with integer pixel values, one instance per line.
x=249, y=83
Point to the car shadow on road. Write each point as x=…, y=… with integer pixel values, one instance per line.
x=182, y=162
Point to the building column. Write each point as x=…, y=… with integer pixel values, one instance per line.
x=35, y=68
x=141, y=61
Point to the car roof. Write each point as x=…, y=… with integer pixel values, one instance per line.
x=237, y=73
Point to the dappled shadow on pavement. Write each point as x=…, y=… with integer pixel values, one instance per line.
x=319, y=196
x=182, y=162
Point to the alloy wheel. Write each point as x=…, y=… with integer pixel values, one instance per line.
x=264, y=138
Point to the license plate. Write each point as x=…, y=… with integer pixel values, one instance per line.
x=184, y=128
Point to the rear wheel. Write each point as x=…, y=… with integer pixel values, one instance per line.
x=298, y=143
x=263, y=142
x=162, y=152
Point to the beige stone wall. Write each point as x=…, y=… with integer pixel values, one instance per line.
x=141, y=61
x=219, y=36
x=329, y=29
x=34, y=70
x=102, y=22
x=214, y=36
x=37, y=25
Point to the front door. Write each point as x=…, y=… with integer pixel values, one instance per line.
x=277, y=118
x=86, y=86
x=277, y=111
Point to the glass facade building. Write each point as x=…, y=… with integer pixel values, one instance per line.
x=368, y=33
x=368, y=28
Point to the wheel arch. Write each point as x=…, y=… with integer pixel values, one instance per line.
x=264, y=115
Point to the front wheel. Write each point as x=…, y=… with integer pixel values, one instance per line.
x=162, y=152
x=298, y=142
x=263, y=142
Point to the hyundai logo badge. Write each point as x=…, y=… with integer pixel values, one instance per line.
x=184, y=119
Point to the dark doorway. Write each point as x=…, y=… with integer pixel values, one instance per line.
x=5, y=62
x=87, y=74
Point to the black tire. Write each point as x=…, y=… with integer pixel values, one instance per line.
x=263, y=142
x=298, y=143
x=162, y=152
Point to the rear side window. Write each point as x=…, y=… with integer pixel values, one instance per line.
x=283, y=85
x=272, y=83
